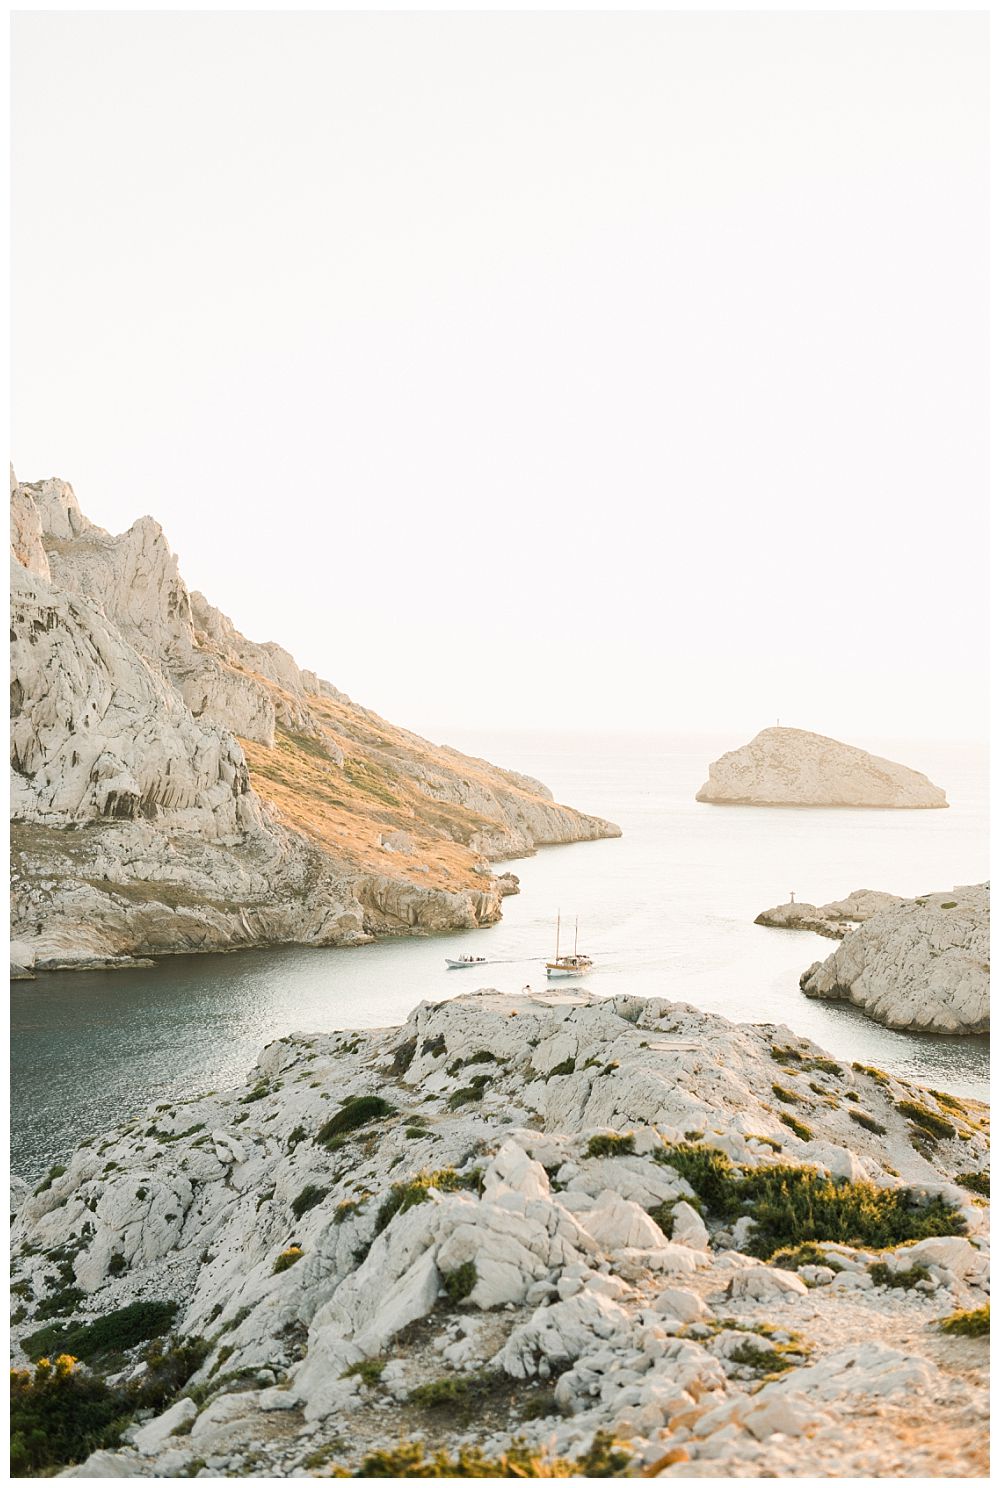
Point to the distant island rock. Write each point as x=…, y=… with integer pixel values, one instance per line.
x=177, y=787
x=791, y=767
x=921, y=964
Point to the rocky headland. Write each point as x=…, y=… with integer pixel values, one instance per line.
x=834, y=920
x=790, y=767
x=921, y=964
x=612, y=1237
x=176, y=787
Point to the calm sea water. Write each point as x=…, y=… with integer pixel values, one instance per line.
x=665, y=910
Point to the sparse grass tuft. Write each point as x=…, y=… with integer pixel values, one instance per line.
x=931, y=1122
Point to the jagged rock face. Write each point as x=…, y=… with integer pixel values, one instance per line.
x=262, y=804
x=789, y=767
x=921, y=964
x=587, y=1270
x=97, y=735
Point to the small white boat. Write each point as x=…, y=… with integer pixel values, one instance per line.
x=568, y=966
x=464, y=961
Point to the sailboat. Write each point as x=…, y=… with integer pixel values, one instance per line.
x=565, y=966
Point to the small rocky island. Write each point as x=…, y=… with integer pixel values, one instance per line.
x=546, y=1235
x=790, y=767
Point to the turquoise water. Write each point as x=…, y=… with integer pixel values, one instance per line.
x=665, y=910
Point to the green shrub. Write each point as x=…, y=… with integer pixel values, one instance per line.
x=369, y=1371
x=310, y=1196
x=295, y=1136
x=925, y=1117
x=972, y=1324
x=111, y=1334
x=345, y=1209
x=403, y=1196
x=286, y=1259
x=883, y=1275
x=481, y=1056
x=663, y=1216
x=765, y=1360
x=710, y=1173
x=603, y=1459
x=458, y=1284
x=471, y=1092
x=825, y=1066
x=567, y=1067
x=60, y=1303
x=611, y=1144
x=356, y=1111
x=803, y=1132
x=785, y=1055
x=795, y=1204
x=58, y=1414
x=868, y=1122
x=976, y=1182
x=806, y=1254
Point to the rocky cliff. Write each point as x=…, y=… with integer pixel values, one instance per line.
x=921, y=964
x=178, y=787
x=790, y=767
x=533, y=1219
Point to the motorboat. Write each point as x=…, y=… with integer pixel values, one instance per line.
x=462, y=962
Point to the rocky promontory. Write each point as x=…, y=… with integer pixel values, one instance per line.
x=921, y=964
x=790, y=767
x=835, y=919
x=617, y=1236
x=176, y=787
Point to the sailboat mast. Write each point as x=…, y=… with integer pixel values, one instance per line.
x=558, y=918
x=576, y=933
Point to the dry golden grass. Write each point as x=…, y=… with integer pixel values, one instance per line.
x=345, y=808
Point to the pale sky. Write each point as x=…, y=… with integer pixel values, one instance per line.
x=556, y=371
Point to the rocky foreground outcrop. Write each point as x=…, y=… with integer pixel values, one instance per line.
x=536, y=1218
x=176, y=787
x=921, y=964
x=790, y=767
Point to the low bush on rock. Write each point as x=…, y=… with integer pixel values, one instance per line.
x=872, y=1072
x=356, y=1111
x=403, y=1196
x=471, y=1092
x=113, y=1333
x=368, y=1371
x=286, y=1259
x=791, y=1205
x=567, y=1067
x=460, y=1283
x=58, y=1414
x=610, y=1144
x=603, y=1459
x=931, y=1122
x=883, y=1275
x=61, y=1302
x=310, y=1196
x=974, y=1323
x=803, y=1132
x=976, y=1182
x=806, y=1254
x=868, y=1122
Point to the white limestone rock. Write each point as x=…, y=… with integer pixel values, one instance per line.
x=790, y=767
x=922, y=964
